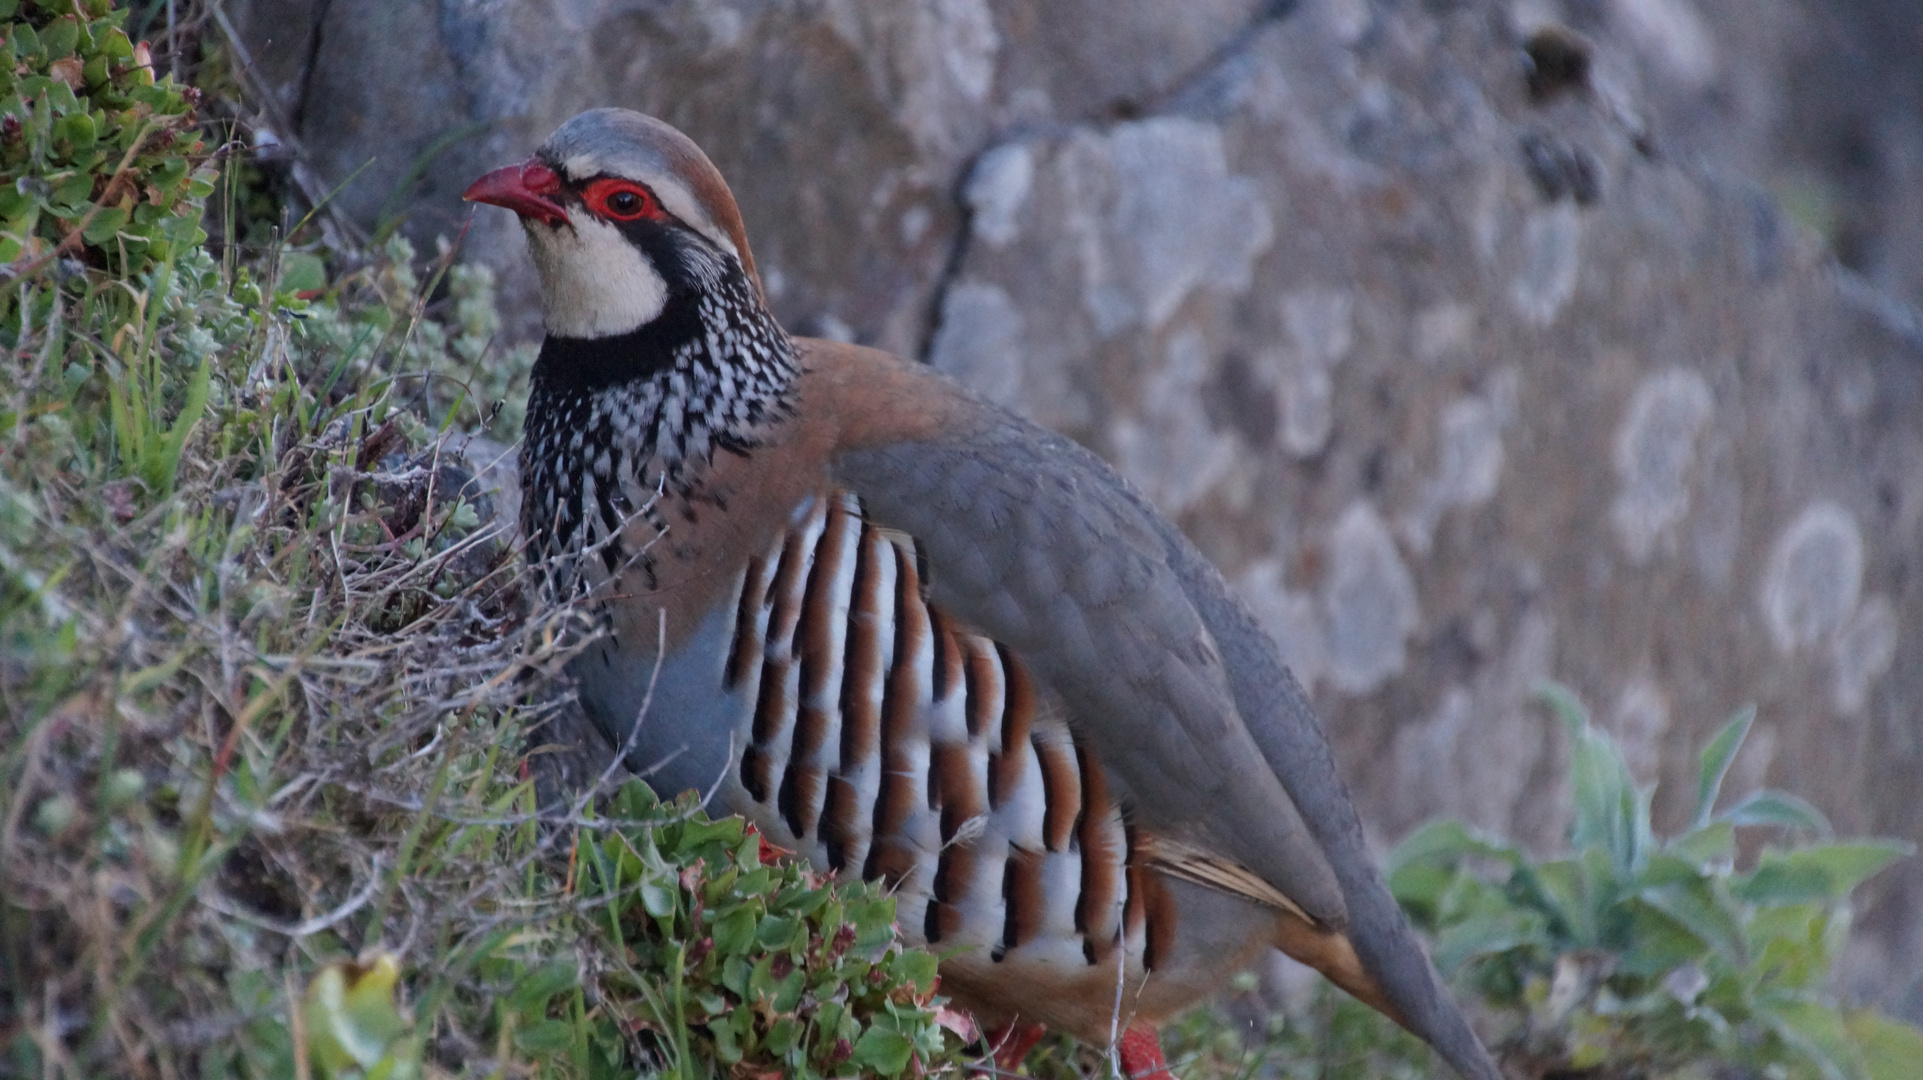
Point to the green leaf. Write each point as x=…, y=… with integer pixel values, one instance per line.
x=78, y=129
x=1567, y=707
x=545, y=1037
x=73, y=191
x=757, y=882
x=776, y=932
x=61, y=97
x=804, y=902
x=14, y=204
x=873, y=920
x=1450, y=842
x=782, y=1036
x=1824, y=873
x=1891, y=1050
x=697, y=834
x=351, y=1017
x=1789, y=943
x=635, y=801
x=1562, y=890
x=734, y=933
x=161, y=465
x=1778, y=808
x=1783, y=883
x=1713, y=844
x=1611, y=815
x=659, y=895
x=1419, y=889
x=113, y=44
x=1697, y=907
x=107, y=221
x=883, y=1051
x=1606, y=800
x=1849, y=865
x=917, y=967
x=1490, y=931
x=1716, y=759
x=726, y=1046
x=1817, y=1035
x=1656, y=944
x=302, y=271
x=761, y=979
x=735, y=973
x=788, y=991
x=60, y=36
x=1668, y=868
x=530, y=996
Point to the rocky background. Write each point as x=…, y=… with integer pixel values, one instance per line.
x=1479, y=343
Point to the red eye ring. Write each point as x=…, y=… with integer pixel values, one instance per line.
x=622, y=200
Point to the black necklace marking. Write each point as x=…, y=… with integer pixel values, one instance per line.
x=618, y=426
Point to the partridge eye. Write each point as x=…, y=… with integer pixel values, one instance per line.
x=622, y=200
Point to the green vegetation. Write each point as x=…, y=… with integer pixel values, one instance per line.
x=277, y=735
x=105, y=161
x=1630, y=957
x=749, y=965
x=677, y=950
x=1639, y=956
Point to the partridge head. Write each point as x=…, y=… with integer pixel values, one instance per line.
x=918, y=639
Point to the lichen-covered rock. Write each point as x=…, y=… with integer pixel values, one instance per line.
x=1469, y=381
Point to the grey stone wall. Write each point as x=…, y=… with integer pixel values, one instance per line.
x=1467, y=386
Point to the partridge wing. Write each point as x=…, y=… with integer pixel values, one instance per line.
x=1039, y=544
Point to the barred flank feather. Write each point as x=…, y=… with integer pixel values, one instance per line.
x=885, y=738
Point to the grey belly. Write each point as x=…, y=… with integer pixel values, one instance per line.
x=682, y=734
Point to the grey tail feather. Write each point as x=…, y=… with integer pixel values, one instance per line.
x=1380, y=933
x=1387, y=946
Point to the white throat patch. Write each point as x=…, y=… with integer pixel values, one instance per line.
x=594, y=283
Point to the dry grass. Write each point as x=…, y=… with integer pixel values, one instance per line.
x=275, y=717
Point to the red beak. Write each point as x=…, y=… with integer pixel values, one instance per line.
x=527, y=189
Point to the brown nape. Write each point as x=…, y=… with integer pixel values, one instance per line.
x=1331, y=954
x=712, y=192
x=866, y=397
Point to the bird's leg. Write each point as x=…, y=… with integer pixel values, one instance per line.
x=1141, y=1053
x=1011, y=1042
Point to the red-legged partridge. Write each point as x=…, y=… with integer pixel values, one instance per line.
x=916, y=638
